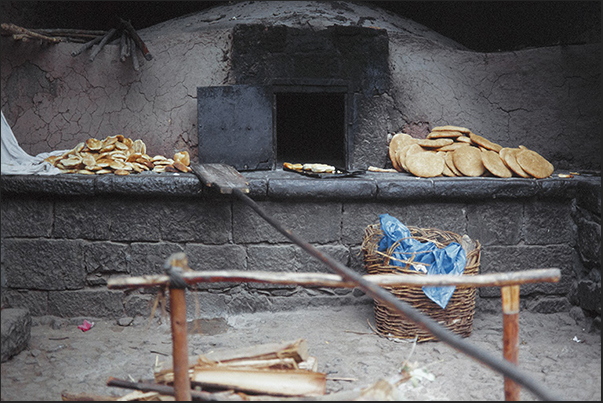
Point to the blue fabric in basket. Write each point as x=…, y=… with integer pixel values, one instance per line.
x=448, y=260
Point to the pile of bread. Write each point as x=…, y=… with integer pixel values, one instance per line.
x=118, y=155
x=457, y=151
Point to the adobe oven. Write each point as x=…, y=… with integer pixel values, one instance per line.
x=295, y=96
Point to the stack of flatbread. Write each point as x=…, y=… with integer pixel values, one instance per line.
x=118, y=155
x=457, y=151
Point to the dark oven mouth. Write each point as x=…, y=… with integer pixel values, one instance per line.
x=310, y=127
x=261, y=127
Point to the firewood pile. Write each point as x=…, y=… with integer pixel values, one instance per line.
x=129, y=40
x=273, y=371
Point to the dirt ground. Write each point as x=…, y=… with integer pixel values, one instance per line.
x=553, y=350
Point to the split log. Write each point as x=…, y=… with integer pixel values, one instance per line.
x=334, y=280
x=270, y=382
x=270, y=355
x=296, y=350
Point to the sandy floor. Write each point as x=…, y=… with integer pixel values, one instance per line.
x=63, y=358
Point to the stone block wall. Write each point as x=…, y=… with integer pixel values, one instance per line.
x=60, y=243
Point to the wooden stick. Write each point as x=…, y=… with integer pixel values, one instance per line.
x=143, y=48
x=86, y=46
x=102, y=43
x=334, y=280
x=510, y=302
x=182, y=383
x=124, y=43
x=161, y=389
x=21, y=32
x=133, y=54
x=70, y=32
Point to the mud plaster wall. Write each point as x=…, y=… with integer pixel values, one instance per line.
x=547, y=99
x=54, y=100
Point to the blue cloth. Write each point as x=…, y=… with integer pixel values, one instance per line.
x=448, y=260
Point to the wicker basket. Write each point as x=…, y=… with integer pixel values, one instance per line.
x=458, y=315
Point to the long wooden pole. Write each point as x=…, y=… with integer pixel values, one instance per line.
x=510, y=303
x=182, y=383
x=333, y=280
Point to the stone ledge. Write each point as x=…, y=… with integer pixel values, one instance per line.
x=280, y=184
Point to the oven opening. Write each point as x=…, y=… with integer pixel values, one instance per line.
x=310, y=127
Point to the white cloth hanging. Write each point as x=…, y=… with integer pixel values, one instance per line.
x=15, y=161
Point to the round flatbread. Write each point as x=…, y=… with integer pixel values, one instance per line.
x=435, y=143
x=94, y=144
x=444, y=134
x=495, y=165
x=451, y=128
x=468, y=160
x=509, y=157
x=395, y=144
x=425, y=164
x=534, y=164
x=463, y=139
x=452, y=147
x=450, y=164
x=481, y=141
x=406, y=150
